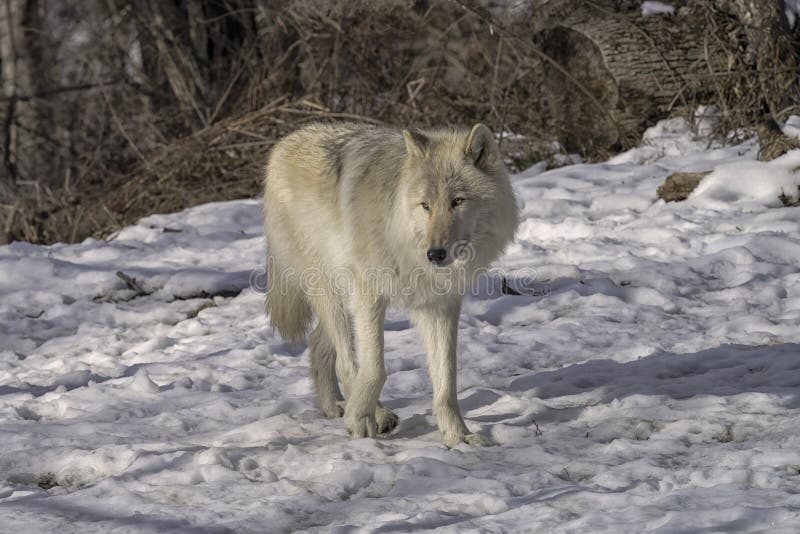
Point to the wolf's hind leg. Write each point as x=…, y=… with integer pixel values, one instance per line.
x=335, y=328
x=323, y=373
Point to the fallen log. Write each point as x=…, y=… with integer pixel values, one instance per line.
x=618, y=72
x=679, y=185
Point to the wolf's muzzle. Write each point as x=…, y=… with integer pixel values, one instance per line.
x=437, y=255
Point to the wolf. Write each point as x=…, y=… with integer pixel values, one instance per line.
x=359, y=217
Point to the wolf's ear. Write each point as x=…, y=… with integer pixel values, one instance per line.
x=481, y=148
x=416, y=143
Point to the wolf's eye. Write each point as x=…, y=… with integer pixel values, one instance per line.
x=425, y=206
x=456, y=202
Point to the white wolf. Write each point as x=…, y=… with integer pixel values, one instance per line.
x=360, y=216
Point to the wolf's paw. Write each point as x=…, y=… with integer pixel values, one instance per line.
x=476, y=440
x=386, y=420
x=361, y=427
x=332, y=409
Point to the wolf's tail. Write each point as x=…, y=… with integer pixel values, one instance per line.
x=287, y=304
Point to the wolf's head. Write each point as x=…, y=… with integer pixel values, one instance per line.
x=457, y=197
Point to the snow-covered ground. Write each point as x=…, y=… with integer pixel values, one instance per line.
x=649, y=381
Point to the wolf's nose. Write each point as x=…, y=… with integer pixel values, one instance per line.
x=437, y=255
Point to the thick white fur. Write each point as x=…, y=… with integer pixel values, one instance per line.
x=347, y=234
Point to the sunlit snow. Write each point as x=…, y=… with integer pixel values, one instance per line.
x=647, y=379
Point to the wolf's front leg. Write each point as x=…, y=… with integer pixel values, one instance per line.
x=439, y=330
x=359, y=417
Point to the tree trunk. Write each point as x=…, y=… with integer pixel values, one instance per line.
x=17, y=81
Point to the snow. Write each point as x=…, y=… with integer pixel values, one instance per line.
x=650, y=7
x=646, y=380
x=752, y=183
x=791, y=10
